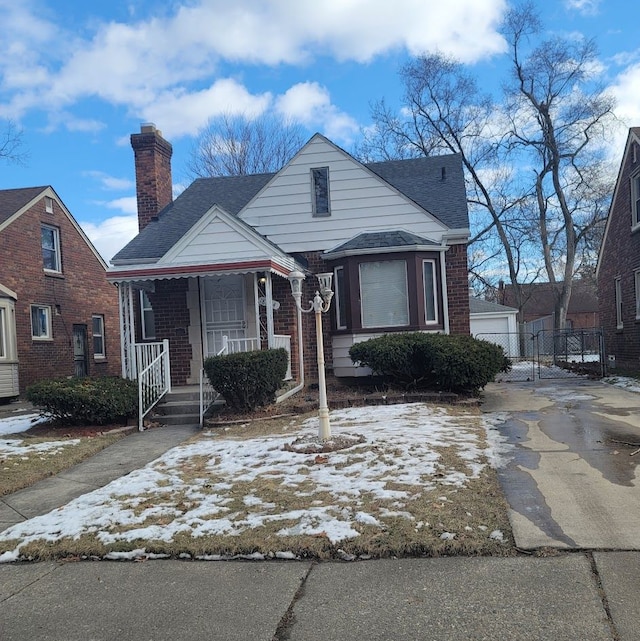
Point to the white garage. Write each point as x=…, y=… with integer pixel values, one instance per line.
x=495, y=323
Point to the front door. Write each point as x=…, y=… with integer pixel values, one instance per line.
x=224, y=311
x=80, y=350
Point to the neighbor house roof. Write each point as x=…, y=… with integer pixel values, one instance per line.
x=479, y=306
x=435, y=184
x=538, y=298
x=12, y=200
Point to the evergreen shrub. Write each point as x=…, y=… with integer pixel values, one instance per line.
x=248, y=379
x=415, y=360
x=86, y=401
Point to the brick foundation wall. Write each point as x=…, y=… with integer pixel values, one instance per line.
x=80, y=291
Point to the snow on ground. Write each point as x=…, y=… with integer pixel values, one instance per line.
x=630, y=384
x=19, y=423
x=401, y=452
x=21, y=447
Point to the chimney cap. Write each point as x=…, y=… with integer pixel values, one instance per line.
x=149, y=128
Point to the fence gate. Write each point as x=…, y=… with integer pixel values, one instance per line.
x=565, y=353
x=550, y=353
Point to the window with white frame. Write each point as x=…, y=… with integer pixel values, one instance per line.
x=340, y=298
x=147, y=318
x=320, y=191
x=51, y=248
x=618, y=298
x=383, y=294
x=97, y=332
x=430, y=291
x=40, y=322
x=635, y=201
x=637, y=283
x=48, y=204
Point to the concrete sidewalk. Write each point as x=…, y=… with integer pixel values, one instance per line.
x=569, y=597
x=129, y=453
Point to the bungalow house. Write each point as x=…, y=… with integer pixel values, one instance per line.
x=618, y=270
x=58, y=312
x=209, y=271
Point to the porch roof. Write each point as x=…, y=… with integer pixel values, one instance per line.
x=168, y=272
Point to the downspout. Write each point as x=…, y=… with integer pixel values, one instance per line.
x=445, y=292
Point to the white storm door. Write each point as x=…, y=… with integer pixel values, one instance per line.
x=224, y=311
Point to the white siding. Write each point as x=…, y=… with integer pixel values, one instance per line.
x=215, y=241
x=359, y=201
x=9, y=380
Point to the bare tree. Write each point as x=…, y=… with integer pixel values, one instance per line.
x=233, y=145
x=11, y=143
x=537, y=181
x=560, y=119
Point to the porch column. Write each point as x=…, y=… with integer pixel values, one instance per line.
x=127, y=330
x=269, y=296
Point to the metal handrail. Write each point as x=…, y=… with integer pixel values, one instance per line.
x=154, y=378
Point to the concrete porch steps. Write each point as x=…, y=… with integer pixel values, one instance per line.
x=181, y=406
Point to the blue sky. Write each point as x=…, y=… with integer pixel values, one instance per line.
x=79, y=77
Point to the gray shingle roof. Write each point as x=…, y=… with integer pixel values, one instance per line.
x=12, y=200
x=479, y=306
x=381, y=240
x=436, y=184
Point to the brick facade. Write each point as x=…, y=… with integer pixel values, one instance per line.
x=620, y=258
x=74, y=295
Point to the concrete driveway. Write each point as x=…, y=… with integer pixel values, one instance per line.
x=571, y=478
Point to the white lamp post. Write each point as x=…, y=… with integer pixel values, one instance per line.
x=320, y=304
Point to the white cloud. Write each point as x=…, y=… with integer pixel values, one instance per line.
x=112, y=234
x=310, y=104
x=585, y=7
x=110, y=182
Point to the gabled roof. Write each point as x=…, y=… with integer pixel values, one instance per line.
x=435, y=184
x=397, y=239
x=12, y=200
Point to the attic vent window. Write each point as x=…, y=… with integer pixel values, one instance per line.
x=320, y=191
x=48, y=204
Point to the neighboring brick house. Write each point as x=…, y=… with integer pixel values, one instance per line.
x=58, y=312
x=618, y=269
x=538, y=307
x=215, y=262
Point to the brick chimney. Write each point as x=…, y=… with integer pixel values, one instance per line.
x=153, y=172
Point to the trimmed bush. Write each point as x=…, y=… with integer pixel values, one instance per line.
x=249, y=379
x=452, y=363
x=86, y=401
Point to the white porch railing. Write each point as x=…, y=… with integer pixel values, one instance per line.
x=154, y=376
x=237, y=345
x=281, y=340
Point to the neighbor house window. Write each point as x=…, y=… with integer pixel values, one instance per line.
x=97, y=322
x=50, y=248
x=320, y=191
x=48, y=204
x=383, y=294
x=618, y=297
x=147, y=317
x=637, y=282
x=430, y=304
x=340, y=298
x=40, y=322
x=635, y=201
